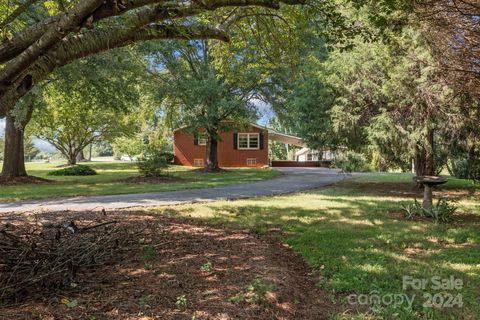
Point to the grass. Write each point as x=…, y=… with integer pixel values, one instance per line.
x=110, y=176
x=353, y=235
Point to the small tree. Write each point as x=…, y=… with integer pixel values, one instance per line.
x=86, y=102
x=72, y=127
x=130, y=146
x=31, y=151
x=152, y=164
x=70, y=121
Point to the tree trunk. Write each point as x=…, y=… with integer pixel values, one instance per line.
x=13, y=157
x=72, y=158
x=430, y=155
x=419, y=161
x=90, y=152
x=211, y=163
x=81, y=157
x=471, y=161
x=424, y=157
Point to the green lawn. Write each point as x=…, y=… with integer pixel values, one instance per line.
x=111, y=174
x=354, y=234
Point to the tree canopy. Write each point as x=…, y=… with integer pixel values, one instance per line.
x=87, y=102
x=42, y=36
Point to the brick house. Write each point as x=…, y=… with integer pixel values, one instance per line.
x=240, y=147
x=245, y=147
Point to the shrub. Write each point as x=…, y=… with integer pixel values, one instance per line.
x=462, y=169
x=442, y=211
x=169, y=156
x=351, y=161
x=152, y=165
x=412, y=209
x=76, y=170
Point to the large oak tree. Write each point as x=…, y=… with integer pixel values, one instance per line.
x=40, y=37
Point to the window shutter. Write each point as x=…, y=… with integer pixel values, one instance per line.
x=235, y=141
x=195, y=139
x=260, y=137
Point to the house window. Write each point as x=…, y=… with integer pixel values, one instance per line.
x=202, y=139
x=309, y=157
x=198, y=162
x=248, y=141
x=251, y=162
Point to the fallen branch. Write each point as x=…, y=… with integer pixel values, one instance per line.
x=52, y=255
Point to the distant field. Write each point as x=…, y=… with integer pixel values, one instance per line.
x=110, y=180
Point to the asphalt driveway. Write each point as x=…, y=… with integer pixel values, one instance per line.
x=292, y=180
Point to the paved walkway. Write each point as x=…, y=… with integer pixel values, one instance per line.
x=292, y=180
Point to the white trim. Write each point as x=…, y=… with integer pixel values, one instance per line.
x=273, y=132
x=248, y=140
x=196, y=162
x=253, y=162
x=201, y=137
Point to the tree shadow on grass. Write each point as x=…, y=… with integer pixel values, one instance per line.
x=359, y=247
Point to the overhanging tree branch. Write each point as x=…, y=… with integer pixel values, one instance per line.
x=97, y=41
x=54, y=34
x=30, y=56
x=165, y=10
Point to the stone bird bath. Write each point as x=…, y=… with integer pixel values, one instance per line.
x=428, y=183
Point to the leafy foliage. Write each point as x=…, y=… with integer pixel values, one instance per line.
x=442, y=211
x=201, y=94
x=465, y=165
x=255, y=292
x=89, y=102
x=207, y=267
x=351, y=162
x=181, y=301
x=76, y=170
x=152, y=164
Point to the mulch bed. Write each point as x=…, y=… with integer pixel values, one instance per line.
x=23, y=180
x=170, y=284
x=160, y=179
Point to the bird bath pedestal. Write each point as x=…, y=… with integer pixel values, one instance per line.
x=428, y=183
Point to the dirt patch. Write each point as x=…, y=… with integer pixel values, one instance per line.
x=464, y=218
x=396, y=215
x=408, y=190
x=160, y=179
x=23, y=180
x=177, y=269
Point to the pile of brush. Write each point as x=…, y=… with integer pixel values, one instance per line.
x=44, y=257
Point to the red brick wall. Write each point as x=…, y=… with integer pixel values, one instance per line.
x=186, y=151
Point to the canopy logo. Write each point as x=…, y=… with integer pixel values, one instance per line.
x=437, y=292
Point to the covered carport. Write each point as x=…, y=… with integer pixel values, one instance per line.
x=295, y=141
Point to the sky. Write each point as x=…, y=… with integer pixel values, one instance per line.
x=265, y=112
